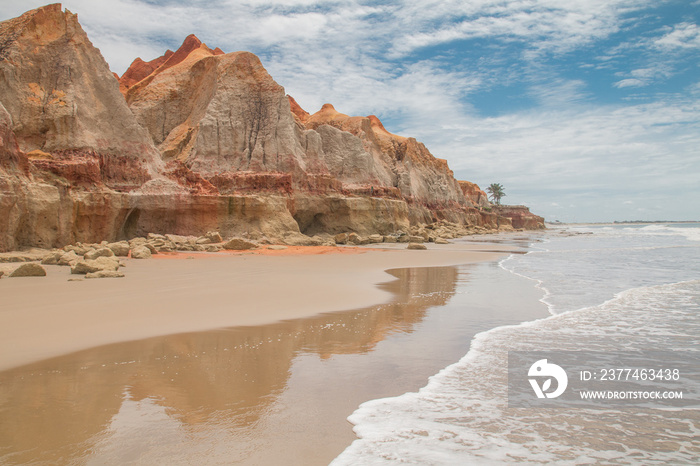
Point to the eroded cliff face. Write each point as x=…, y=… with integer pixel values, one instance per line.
x=192, y=141
x=66, y=110
x=226, y=119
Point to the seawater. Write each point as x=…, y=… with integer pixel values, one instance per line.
x=608, y=288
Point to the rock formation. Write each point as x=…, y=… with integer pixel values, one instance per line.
x=68, y=115
x=474, y=193
x=520, y=217
x=196, y=140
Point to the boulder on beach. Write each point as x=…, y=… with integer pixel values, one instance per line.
x=29, y=270
x=214, y=237
x=68, y=258
x=416, y=246
x=376, y=239
x=239, y=244
x=341, y=238
x=354, y=238
x=141, y=252
x=101, y=252
x=90, y=266
x=78, y=249
x=53, y=257
x=120, y=248
x=299, y=239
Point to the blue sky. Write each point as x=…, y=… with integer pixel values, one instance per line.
x=585, y=110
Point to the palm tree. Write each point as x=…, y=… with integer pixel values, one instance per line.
x=496, y=191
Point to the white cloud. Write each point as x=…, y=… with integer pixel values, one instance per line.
x=683, y=36
x=369, y=60
x=586, y=154
x=632, y=82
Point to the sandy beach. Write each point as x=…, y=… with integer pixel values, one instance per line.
x=186, y=292
x=260, y=359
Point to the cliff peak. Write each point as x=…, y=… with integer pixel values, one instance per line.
x=299, y=113
x=140, y=70
x=68, y=114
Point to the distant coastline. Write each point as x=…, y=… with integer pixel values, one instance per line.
x=623, y=222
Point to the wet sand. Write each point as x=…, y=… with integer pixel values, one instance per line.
x=174, y=293
x=277, y=392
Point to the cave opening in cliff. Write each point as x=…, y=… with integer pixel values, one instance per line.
x=130, y=225
x=311, y=225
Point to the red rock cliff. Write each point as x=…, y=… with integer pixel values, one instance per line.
x=196, y=140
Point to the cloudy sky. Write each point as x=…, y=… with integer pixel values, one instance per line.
x=585, y=110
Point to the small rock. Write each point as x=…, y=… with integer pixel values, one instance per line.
x=441, y=241
x=214, y=237
x=277, y=247
x=239, y=244
x=95, y=253
x=120, y=248
x=416, y=246
x=1, y=273
x=151, y=248
x=141, y=252
x=53, y=258
x=177, y=239
x=376, y=239
x=136, y=242
x=212, y=247
x=90, y=266
x=29, y=270
x=354, y=238
x=78, y=249
x=68, y=258
x=297, y=239
x=341, y=238
x=108, y=263
x=104, y=274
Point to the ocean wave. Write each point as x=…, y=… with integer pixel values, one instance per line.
x=461, y=415
x=620, y=289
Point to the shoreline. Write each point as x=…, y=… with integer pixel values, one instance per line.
x=289, y=385
x=50, y=316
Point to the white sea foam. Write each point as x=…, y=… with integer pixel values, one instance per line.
x=461, y=416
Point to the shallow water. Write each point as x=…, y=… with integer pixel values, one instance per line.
x=609, y=289
x=273, y=394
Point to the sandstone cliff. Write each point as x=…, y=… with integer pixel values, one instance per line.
x=192, y=141
x=225, y=118
x=67, y=111
x=520, y=217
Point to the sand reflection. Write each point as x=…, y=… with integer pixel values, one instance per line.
x=214, y=391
